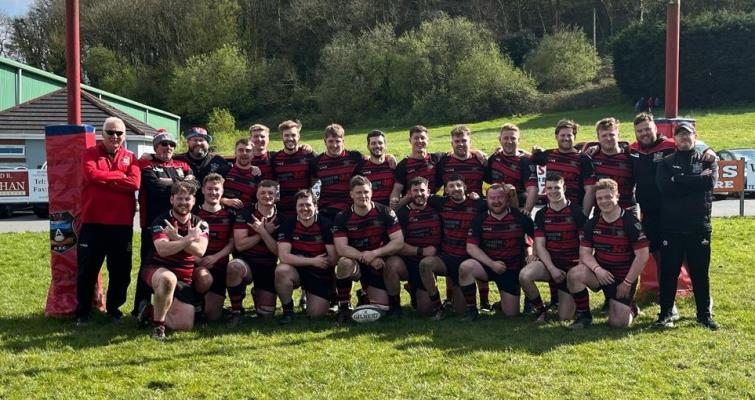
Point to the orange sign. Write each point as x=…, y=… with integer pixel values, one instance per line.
x=731, y=176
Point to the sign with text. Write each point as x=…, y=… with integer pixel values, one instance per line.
x=731, y=176
x=28, y=186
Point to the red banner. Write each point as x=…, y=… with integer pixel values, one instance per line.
x=64, y=144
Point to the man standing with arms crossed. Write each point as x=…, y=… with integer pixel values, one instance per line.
x=111, y=176
x=686, y=182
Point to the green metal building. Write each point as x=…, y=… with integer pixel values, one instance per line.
x=30, y=100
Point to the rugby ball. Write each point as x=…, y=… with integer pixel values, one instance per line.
x=367, y=313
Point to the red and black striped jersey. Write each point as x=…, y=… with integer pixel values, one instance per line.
x=471, y=169
x=619, y=168
x=457, y=219
x=181, y=263
x=241, y=184
x=368, y=232
x=382, y=177
x=421, y=227
x=259, y=250
x=409, y=167
x=614, y=242
x=504, y=239
x=513, y=170
x=221, y=227
x=644, y=162
x=575, y=167
x=307, y=241
x=561, y=230
x=334, y=174
x=264, y=163
x=292, y=171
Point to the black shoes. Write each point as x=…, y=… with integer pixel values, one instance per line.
x=583, y=321
x=471, y=315
x=708, y=322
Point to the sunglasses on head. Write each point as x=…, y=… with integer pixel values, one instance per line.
x=116, y=133
x=168, y=144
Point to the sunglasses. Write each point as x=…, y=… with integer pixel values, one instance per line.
x=116, y=133
x=168, y=144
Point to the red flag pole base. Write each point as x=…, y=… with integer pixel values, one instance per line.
x=64, y=144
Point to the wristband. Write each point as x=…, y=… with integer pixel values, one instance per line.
x=628, y=282
x=594, y=267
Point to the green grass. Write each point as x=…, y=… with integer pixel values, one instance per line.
x=722, y=128
x=411, y=358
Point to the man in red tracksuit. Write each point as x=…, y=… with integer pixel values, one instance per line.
x=111, y=176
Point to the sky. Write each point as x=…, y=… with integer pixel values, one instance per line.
x=15, y=8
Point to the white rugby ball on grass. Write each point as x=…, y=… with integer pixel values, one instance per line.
x=367, y=313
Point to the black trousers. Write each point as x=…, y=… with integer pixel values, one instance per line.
x=143, y=291
x=695, y=248
x=97, y=242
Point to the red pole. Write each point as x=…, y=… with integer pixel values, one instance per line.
x=73, y=66
x=672, y=58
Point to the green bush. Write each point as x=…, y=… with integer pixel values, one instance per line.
x=564, y=60
x=222, y=126
x=486, y=84
x=717, y=62
x=217, y=79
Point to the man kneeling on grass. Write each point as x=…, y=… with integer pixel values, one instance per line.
x=179, y=238
x=612, y=252
x=499, y=244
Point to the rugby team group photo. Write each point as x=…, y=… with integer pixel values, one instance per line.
x=580, y=216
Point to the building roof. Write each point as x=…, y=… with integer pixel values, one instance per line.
x=31, y=71
x=29, y=119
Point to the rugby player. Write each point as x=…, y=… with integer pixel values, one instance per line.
x=418, y=163
x=613, y=251
x=291, y=167
x=111, y=176
x=557, y=229
x=613, y=161
x=575, y=167
x=499, y=246
x=307, y=255
x=210, y=271
x=421, y=226
x=179, y=238
x=511, y=165
x=159, y=172
x=378, y=168
x=259, y=136
x=364, y=234
x=457, y=211
x=334, y=168
x=462, y=162
x=254, y=236
x=240, y=187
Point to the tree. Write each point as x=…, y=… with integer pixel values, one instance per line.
x=218, y=79
x=564, y=60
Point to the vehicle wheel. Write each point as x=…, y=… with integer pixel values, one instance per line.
x=5, y=211
x=42, y=212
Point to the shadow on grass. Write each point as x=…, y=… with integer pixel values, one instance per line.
x=491, y=332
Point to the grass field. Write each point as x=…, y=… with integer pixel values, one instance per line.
x=410, y=358
x=721, y=128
